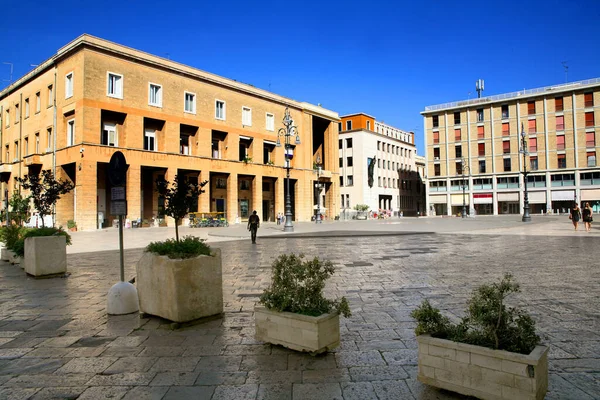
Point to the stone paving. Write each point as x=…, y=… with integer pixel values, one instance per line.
x=56, y=340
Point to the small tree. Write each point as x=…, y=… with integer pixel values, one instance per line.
x=19, y=206
x=361, y=207
x=46, y=191
x=179, y=198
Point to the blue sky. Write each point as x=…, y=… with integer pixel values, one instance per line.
x=388, y=59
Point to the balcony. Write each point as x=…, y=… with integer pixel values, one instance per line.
x=5, y=168
x=33, y=159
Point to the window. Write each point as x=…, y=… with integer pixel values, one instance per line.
x=340, y=144
x=531, y=108
x=457, y=118
x=7, y=117
x=26, y=108
x=558, y=104
x=388, y=148
x=50, y=95
x=37, y=143
x=71, y=132
x=348, y=143
x=342, y=184
x=378, y=145
x=388, y=164
x=368, y=125
x=505, y=129
x=349, y=161
x=114, y=86
x=435, y=121
x=436, y=137
x=482, y=166
x=507, y=165
x=341, y=162
x=68, y=85
x=339, y=126
x=17, y=150
x=588, y=100
x=189, y=102
x=379, y=163
x=49, y=140
x=348, y=125
x=436, y=170
x=458, y=151
x=7, y=155
x=457, y=134
x=480, y=132
x=270, y=123
x=17, y=114
x=506, y=147
x=459, y=168
x=26, y=146
x=560, y=123
x=562, y=160
x=560, y=142
x=590, y=139
x=155, y=95
x=38, y=102
x=533, y=161
x=505, y=114
x=481, y=149
x=150, y=140
x=591, y=158
x=379, y=181
x=109, y=135
x=436, y=153
x=532, y=126
x=589, y=119
x=220, y=109
x=533, y=145
x=480, y=115
x=393, y=166
x=349, y=180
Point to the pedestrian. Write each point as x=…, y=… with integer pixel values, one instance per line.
x=587, y=217
x=575, y=216
x=253, y=225
x=278, y=220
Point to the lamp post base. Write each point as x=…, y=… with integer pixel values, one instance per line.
x=288, y=228
x=464, y=212
x=526, y=215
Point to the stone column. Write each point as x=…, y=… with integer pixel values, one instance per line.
x=257, y=195
x=134, y=195
x=85, y=196
x=204, y=199
x=279, y=195
x=232, y=205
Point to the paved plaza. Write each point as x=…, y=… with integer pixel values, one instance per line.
x=56, y=340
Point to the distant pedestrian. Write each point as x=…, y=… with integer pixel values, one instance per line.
x=575, y=216
x=253, y=225
x=587, y=217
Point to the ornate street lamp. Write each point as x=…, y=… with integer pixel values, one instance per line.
x=523, y=150
x=287, y=132
x=464, y=166
x=318, y=218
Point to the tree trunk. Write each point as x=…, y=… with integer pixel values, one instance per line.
x=177, y=229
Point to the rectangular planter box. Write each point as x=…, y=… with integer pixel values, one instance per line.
x=5, y=254
x=482, y=372
x=296, y=331
x=180, y=290
x=45, y=255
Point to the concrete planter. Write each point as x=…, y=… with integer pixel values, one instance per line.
x=296, y=331
x=5, y=254
x=180, y=290
x=45, y=255
x=482, y=372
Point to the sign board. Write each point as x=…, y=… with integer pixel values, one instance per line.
x=118, y=207
x=117, y=169
x=117, y=193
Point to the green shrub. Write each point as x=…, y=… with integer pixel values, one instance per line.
x=297, y=287
x=10, y=234
x=489, y=322
x=361, y=207
x=71, y=224
x=188, y=247
x=19, y=246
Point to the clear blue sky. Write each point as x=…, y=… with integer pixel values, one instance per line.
x=388, y=59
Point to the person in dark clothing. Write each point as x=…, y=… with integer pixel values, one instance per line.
x=587, y=217
x=575, y=216
x=253, y=225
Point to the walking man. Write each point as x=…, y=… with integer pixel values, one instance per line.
x=253, y=225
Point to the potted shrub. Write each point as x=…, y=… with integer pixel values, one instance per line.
x=10, y=235
x=361, y=211
x=45, y=250
x=180, y=280
x=493, y=353
x=294, y=312
x=72, y=225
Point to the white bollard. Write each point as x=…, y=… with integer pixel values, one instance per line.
x=122, y=299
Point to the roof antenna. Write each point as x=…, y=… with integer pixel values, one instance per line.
x=566, y=67
x=479, y=87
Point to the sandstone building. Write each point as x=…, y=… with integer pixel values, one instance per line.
x=94, y=97
x=480, y=139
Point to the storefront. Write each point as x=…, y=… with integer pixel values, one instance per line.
x=438, y=205
x=483, y=203
x=591, y=196
x=562, y=201
x=508, y=203
x=457, y=203
x=537, y=202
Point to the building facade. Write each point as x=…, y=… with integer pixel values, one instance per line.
x=94, y=97
x=421, y=182
x=363, y=140
x=475, y=147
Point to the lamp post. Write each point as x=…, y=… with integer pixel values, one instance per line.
x=464, y=166
x=287, y=132
x=523, y=150
x=318, y=218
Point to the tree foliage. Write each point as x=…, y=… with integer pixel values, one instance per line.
x=45, y=191
x=19, y=207
x=179, y=197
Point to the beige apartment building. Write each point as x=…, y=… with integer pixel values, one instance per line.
x=394, y=186
x=94, y=97
x=474, y=145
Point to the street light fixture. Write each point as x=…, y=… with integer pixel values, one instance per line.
x=464, y=166
x=318, y=218
x=287, y=132
x=523, y=150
